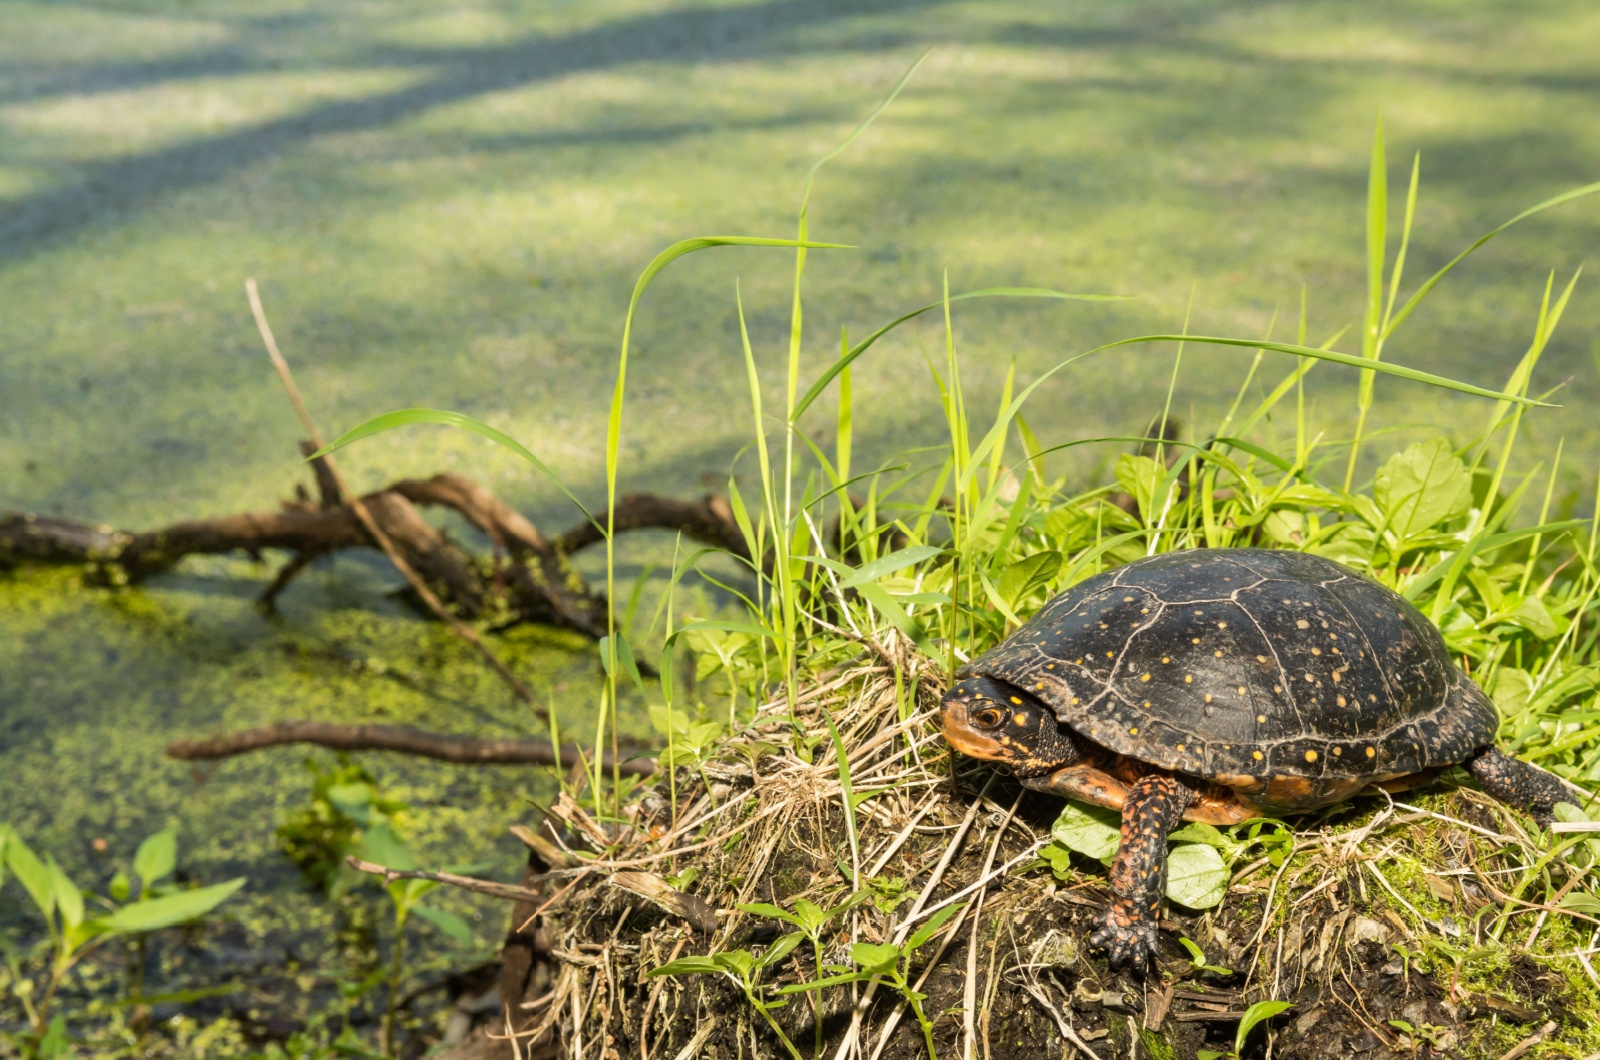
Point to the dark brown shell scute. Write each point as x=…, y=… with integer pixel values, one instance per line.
x=1248, y=662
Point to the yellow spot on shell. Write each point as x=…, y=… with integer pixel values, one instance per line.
x=1337, y=751
x=1166, y=658
x=1316, y=651
x=1222, y=625
x=1341, y=701
x=1311, y=756
x=1208, y=697
x=1147, y=704
x=1127, y=599
x=1108, y=655
x=1144, y=677
x=1301, y=623
x=1218, y=654
x=1180, y=747
x=1188, y=679
x=1261, y=719
x=1074, y=700
x=1371, y=751
x=1194, y=640
x=1020, y=719
x=1241, y=690
x=1257, y=755
x=1134, y=731
x=1017, y=701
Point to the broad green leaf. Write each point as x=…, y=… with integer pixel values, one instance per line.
x=54, y=1044
x=782, y=948
x=1257, y=1013
x=931, y=928
x=1532, y=615
x=382, y=845
x=886, y=606
x=739, y=961
x=1210, y=1054
x=687, y=966
x=1421, y=486
x=1200, y=832
x=120, y=887
x=454, y=928
x=1021, y=578
x=32, y=873
x=874, y=956
x=1582, y=902
x=353, y=801
x=406, y=417
x=154, y=913
x=156, y=857
x=811, y=916
x=69, y=900
x=1090, y=830
x=905, y=557
x=1196, y=875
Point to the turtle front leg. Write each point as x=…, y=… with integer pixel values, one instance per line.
x=1519, y=784
x=1154, y=806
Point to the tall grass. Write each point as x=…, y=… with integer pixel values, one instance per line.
x=948, y=549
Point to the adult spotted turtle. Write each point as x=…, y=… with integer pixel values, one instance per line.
x=1217, y=685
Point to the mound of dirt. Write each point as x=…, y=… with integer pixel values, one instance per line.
x=1379, y=928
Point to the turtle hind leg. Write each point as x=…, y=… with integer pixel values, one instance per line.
x=1153, y=807
x=1519, y=784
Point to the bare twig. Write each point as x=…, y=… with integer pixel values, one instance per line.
x=404, y=739
x=424, y=593
x=466, y=883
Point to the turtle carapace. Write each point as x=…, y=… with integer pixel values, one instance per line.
x=1217, y=685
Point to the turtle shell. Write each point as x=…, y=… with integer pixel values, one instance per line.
x=1248, y=664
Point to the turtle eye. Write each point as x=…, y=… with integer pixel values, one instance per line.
x=990, y=717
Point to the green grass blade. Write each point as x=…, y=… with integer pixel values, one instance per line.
x=1432, y=281
x=407, y=417
x=988, y=292
x=1377, y=232
x=811, y=175
x=1398, y=371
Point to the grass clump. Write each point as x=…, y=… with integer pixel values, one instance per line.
x=867, y=590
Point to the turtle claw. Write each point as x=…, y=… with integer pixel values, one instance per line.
x=1128, y=936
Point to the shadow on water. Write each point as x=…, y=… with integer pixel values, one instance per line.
x=682, y=36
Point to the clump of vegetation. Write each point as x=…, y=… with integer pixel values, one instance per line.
x=80, y=922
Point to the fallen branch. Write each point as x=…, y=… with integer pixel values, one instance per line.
x=466, y=750
x=466, y=883
x=527, y=580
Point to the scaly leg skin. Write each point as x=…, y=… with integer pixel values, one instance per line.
x=1518, y=784
x=1154, y=806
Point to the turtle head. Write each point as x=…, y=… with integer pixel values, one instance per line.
x=989, y=719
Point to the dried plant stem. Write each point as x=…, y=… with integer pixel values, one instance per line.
x=425, y=594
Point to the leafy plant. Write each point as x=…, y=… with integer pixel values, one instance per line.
x=743, y=969
x=811, y=919
x=1256, y=1014
x=889, y=965
x=343, y=802
x=74, y=932
x=1197, y=958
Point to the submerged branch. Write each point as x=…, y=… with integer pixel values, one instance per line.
x=526, y=578
x=466, y=750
